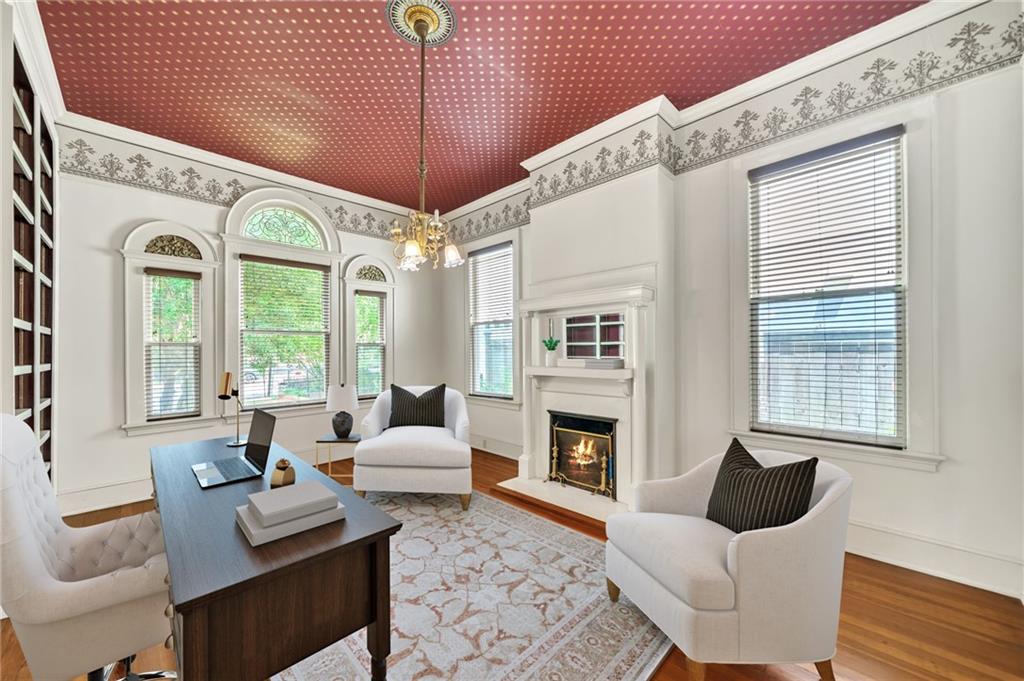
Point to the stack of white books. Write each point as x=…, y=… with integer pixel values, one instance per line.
x=592, y=363
x=283, y=511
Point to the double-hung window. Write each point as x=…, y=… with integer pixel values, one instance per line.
x=370, y=342
x=285, y=332
x=490, y=321
x=827, y=339
x=171, y=344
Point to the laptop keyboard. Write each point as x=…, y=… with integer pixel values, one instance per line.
x=232, y=468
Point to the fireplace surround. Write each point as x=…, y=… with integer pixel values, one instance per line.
x=583, y=452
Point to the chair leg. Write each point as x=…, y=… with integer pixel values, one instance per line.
x=613, y=590
x=695, y=670
x=825, y=670
x=464, y=498
x=360, y=492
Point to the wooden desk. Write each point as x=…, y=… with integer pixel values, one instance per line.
x=244, y=613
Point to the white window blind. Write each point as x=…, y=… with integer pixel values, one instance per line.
x=171, y=346
x=285, y=332
x=370, y=342
x=490, y=321
x=827, y=293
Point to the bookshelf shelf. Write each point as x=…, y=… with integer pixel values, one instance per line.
x=30, y=273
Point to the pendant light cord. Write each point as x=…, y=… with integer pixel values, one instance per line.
x=421, y=29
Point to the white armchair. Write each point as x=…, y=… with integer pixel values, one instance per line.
x=79, y=598
x=419, y=459
x=764, y=596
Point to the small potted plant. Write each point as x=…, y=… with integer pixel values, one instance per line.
x=551, y=356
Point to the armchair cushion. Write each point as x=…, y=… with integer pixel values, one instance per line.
x=417, y=446
x=748, y=496
x=685, y=554
x=425, y=409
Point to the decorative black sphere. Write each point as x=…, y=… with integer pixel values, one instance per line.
x=342, y=423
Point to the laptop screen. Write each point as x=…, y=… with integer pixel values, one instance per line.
x=261, y=432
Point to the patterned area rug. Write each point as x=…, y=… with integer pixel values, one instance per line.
x=499, y=594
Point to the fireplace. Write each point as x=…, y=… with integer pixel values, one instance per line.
x=583, y=452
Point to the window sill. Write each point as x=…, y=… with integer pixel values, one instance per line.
x=169, y=425
x=499, y=402
x=907, y=459
x=317, y=409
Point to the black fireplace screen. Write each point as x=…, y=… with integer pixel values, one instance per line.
x=583, y=452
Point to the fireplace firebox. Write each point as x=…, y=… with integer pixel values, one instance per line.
x=583, y=452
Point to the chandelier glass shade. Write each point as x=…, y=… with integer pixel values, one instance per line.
x=424, y=237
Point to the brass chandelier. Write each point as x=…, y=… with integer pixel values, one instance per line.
x=424, y=237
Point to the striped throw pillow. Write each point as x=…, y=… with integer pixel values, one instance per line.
x=409, y=410
x=748, y=496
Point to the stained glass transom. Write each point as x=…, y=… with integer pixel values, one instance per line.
x=370, y=273
x=173, y=245
x=285, y=226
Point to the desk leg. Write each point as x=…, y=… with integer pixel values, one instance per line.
x=378, y=634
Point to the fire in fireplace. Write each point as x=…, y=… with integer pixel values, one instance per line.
x=583, y=452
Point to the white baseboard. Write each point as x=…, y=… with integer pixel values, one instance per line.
x=104, y=496
x=509, y=450
x=984, y=570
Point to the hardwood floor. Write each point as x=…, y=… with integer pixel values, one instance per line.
x=895, y=624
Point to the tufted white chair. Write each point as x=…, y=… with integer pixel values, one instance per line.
x=415, y=458
x=79, y=598
x=763, y=596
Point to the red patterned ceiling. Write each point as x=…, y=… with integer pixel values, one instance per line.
x=326, y=91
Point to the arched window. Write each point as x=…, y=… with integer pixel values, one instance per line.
x=283, y=225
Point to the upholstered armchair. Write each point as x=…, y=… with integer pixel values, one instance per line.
x=764, y=596
x=79, y=598
x=421, y=459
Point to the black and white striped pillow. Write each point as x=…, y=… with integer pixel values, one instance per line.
x=409, y=410
x=748, y=496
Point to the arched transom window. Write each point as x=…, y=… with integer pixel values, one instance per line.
x=283, y=225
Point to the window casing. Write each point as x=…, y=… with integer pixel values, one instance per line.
x=371, y=342
x=827, y=293
x=172, y=344
x=491, y=303
x=284, y=332
x=595, y=335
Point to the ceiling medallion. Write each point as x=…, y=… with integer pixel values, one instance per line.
x=438, y=14
x=424, y=237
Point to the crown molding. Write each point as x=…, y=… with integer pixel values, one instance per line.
x=494, y=197
x=659, y=106
x=886, y=32
x=166, y=146
x=35, y=51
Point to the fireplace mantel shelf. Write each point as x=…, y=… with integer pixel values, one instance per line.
x=575, y=372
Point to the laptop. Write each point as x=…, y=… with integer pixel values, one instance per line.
x=246, y=467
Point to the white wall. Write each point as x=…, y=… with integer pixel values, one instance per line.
x=98, y=464
x=574, y=244
x=963, y=521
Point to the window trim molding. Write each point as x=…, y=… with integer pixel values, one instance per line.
x=920, y=286
x=512, y=236
x=135, y=261
x=351, y=284
x=235, y=245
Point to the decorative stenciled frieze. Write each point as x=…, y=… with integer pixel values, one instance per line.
x=499, y=216
x=974, y=42
x=639, y=146
x=110, y=160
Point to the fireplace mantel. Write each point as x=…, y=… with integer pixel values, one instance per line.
x=624, y=377
x=621, y=394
